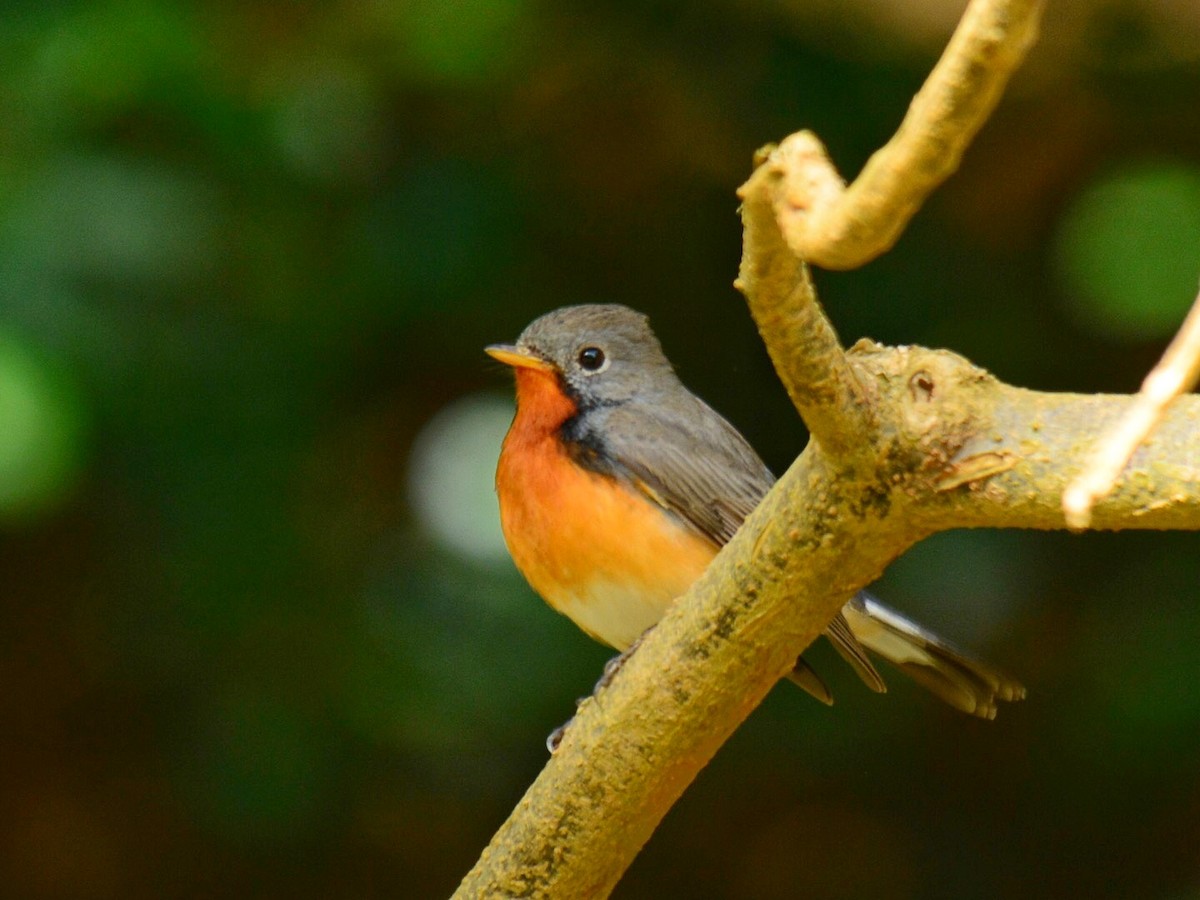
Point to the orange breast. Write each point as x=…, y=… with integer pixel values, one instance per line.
x=594, y=549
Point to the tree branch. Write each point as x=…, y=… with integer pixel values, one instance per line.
x=1015, y=450
x=841, y=228
x=799, y=336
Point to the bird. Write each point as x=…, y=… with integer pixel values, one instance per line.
x=617, y=486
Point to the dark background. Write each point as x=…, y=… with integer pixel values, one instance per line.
x=257, y=635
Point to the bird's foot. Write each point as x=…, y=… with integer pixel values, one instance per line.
x=554, y=738
x=614, y=665
x=611, y=668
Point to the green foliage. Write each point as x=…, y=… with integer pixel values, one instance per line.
x=41, y=433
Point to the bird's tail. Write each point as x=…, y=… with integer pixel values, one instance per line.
x=964, y=683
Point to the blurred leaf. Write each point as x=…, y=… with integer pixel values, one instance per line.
x=329, y=123
x=95, y=59
x=442, y=235
x=41, y=432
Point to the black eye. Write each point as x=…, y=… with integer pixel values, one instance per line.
x=591, y=358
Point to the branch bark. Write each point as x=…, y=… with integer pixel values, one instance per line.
x=800, y=338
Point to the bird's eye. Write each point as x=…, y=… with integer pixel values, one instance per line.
x=591, y=358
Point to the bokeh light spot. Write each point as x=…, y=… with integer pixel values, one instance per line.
x=452, y=475
x=40, y=432
x=1128, y=251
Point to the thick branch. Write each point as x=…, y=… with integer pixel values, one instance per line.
x=843, y=228
x=799, y=336
x=954, y=448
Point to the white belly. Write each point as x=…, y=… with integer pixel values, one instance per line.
x=615, y=614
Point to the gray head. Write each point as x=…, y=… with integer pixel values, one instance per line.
x=602, y=353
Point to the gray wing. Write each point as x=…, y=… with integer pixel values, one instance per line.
x=686, y=458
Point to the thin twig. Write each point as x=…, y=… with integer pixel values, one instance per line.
x=1175, y=374
x=841, y=228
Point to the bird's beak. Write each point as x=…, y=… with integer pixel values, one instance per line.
x=519, y=359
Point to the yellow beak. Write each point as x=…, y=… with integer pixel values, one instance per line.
x=511, y=356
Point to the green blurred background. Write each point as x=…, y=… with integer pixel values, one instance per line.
x=258, y=635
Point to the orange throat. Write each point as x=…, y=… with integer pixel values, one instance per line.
x=593, y=547
x=542, y=406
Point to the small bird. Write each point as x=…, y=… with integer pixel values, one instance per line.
x=617, y=487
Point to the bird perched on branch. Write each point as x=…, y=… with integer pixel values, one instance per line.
x=617, y=487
